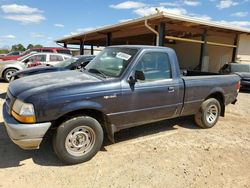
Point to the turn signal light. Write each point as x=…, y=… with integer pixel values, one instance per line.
x=23, y=119
x=238, y=86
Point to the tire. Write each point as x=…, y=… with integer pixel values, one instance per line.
x=7, y=74
x=78, y=139
x=208, y=114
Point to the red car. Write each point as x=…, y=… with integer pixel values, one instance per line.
x=45, y=49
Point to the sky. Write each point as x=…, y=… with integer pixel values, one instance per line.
x=44, y=21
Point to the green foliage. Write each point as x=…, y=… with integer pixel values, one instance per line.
x=38, y=46
x=4, y=51
x=30, y=46
x=18, y=47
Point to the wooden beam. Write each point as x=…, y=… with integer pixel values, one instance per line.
x=184, y=39
x=221, y=44
x=201, y=42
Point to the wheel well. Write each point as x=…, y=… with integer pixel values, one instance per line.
x=8, y=69
x=220, y=98
x=98, y=115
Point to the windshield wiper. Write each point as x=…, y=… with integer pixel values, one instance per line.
x=97, y=72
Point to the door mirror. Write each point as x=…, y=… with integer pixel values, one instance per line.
x=139, y=75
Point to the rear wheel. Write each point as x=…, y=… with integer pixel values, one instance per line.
x=78, y=139
x=8, y=74
x=208, y=114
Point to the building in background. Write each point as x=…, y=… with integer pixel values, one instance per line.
x=199, y=44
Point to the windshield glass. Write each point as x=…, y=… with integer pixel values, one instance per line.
x=111, y=61
x=66, y=63
x=25, y=52
x=240, y=68
x=23, y=57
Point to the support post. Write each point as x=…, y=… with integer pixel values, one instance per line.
x=162, y=34
x=203, y=50
x=235, y=48
x=109, y=39
x=81, y=48
x=155, y=36
x=92, y=49
x=65, y=45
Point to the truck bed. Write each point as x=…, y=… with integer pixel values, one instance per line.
x=199, y=85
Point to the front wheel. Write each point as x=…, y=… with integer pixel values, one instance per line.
x=8, y=74
x=208, y=114
x=77, y=140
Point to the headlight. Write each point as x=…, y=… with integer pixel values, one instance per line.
x=23, y=112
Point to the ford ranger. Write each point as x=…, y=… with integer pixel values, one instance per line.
x=124, y=86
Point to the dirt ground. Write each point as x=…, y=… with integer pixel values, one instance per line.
x=172, y=153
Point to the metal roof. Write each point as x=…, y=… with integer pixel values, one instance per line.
x=159, y=16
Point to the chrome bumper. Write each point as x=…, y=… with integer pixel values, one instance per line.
x=26, y=136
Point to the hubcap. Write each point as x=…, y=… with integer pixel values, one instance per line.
x=80, y=140
x=9, y=74
x=212, y=113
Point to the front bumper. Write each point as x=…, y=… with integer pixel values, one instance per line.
x=26, y=136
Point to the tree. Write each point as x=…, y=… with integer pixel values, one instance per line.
x=30, y=46
x=38, y=46
x=4, y=51
x=18, y=47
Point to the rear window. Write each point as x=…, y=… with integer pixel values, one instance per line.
x=64, y=51
x=56, y=58
x=240, y=68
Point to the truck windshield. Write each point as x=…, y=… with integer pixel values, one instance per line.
x=23, y=57
x=112, y=61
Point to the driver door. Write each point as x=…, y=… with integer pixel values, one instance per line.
x=158, y=96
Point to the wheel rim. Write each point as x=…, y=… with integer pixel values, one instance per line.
x=80, y=141
x=212, y=114
x=9, y=74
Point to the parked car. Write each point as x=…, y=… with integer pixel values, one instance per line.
x=122, y=87
x=7, y=68
x=13, y=53
x=2, y=55
x=243, y=70
x=44, y=49
x=73, y=63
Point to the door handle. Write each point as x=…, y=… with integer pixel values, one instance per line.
x=170, y=89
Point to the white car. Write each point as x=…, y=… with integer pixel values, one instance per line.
x=7, y=68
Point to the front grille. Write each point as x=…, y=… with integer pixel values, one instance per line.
x=246, y=79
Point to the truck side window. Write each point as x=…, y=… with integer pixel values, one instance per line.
x=155, y=66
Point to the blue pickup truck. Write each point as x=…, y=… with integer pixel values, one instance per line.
x=124, y=86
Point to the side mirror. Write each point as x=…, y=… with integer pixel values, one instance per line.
x=138, y=75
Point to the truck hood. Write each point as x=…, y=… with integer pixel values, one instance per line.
x=44, y=83
x=37, y=70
